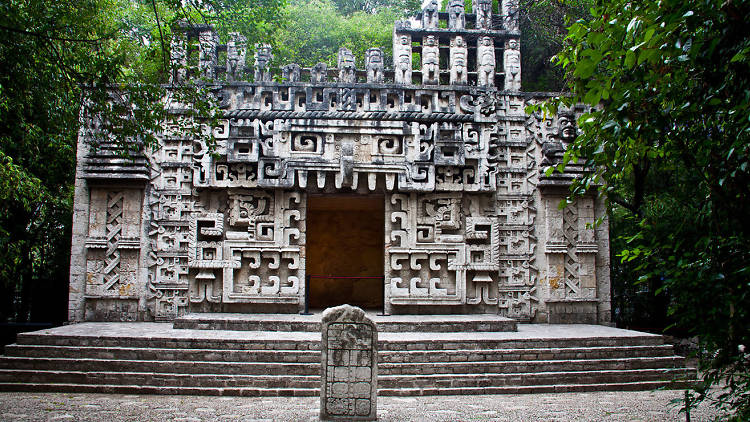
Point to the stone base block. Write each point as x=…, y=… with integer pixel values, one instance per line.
x=572, y=312
x=111, y=309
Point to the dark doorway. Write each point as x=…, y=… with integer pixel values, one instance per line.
x=345, y=235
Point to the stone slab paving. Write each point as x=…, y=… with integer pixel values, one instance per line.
x=316, y=316
x=156, y=330
x=607, y=406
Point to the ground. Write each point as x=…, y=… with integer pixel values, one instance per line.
x=606, y=406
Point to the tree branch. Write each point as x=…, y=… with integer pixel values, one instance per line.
x=50, y=37
x=164, y=50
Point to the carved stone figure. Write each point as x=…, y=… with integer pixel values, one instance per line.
x=458, y=62
x=512, y=64
x=178, y=58
x=263, y=58
x=291, y=72
x=566, y=123
x=236, y=50
x=552, y=152
x=347, y=72
x=207, y=40
x=430, y=15
x=485, y=62
x=319, y=73
x=430, y=61
x=402, y=59
x=374, y=64
x=510, y=14
x=483, y=11
x=456, y=15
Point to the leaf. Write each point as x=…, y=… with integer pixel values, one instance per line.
x=593, y=96
x=649, y=34
x=630, y=58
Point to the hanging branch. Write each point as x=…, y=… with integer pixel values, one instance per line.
x=164, y=50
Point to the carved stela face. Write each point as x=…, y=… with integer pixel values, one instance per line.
x=568, y=130
x=264, y=55
x=375, y=56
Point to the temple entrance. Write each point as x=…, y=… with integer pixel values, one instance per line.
x=345, y=235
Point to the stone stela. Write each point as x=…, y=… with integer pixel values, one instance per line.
x=349, y=365
x=435, y=156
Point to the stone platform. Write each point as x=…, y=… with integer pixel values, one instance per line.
x=312, y=323
x=155, y=358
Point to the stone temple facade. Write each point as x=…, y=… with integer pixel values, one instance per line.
x=418, y=179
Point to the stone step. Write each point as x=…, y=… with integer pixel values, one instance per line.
x=144, y=353
x=312, y=323
x=314, y=392
x=161, y=366
x=386, y=382
x=478, y=380
x=313, y=356
x=512, y=367
x=164, y=390
x=291, y=368
x=481, y=355
x=292, y=341
x=155, y=379
x=155, y=358
x=311, y=341
x=475, y=343
x=533, y=389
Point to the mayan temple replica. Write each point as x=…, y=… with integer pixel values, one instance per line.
x=411, y=184
x=413, y=188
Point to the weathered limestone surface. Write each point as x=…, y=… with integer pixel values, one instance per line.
x=471, y=223
x=349, y=365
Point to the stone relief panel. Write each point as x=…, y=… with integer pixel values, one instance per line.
x=461, y=249
x=113, y=243
x=233, y=245
x=573, y=251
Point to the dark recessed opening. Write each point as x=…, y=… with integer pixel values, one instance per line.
x=345, y=235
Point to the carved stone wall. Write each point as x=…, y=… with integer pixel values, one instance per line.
x=472, y=224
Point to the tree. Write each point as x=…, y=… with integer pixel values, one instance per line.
x=348, y=7
x=314, y=30
x=669, y=138
x=543, y=29
x=53, y=55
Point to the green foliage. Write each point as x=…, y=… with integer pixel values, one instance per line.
x=314, y=31
x=348, y=7
x=544, y=27
x=62, y=60
x=670, y=141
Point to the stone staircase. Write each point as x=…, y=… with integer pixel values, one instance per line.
x=154, y=358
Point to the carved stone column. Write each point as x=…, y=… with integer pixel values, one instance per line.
x=430, y=61
x=458, y=61
x=512, y=65
x=236, y=52
x=485, y=62
x=208, y=41
x=402, y=54
x=178, y=58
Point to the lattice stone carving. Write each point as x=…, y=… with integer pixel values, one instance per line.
x=113, y=244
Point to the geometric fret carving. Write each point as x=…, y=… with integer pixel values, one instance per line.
x=114, y=232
